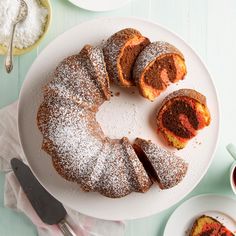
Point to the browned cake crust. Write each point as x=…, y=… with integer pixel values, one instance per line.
x=189, y=103
x=123, y=172
x=59, y=120
x=97, y=68
x=163, y=166
x=209, y=226
x=190, y=93
x=120, y=53
x=73, y=138
x=156, y=66
x=69, y=79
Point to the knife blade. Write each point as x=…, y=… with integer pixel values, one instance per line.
x=49, y=209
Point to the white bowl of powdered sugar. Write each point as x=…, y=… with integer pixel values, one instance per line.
x=31, y=31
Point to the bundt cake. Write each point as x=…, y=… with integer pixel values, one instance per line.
x=79, y=150
x=181, y=115
x=120, y=53
x=208, y=226
x=163, y=166
x=157, y=65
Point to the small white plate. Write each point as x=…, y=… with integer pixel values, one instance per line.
x=100, y=5
x=128, y=114
x=220, y=207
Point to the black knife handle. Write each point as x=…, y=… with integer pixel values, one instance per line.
x=65, y=228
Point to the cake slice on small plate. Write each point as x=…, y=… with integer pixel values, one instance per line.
x=208, y=226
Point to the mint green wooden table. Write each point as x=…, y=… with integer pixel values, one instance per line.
x=209, y=26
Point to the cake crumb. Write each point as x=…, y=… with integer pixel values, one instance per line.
x=117, y=94
x=198, y=142
x=186, y=232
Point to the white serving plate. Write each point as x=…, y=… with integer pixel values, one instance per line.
x=125, y=115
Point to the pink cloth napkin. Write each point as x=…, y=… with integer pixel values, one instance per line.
x=15, y=198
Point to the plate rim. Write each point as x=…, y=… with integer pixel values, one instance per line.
x=85, y=6
x=203, y=195
x=197, y=55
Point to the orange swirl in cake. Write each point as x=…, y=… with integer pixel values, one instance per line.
x=181, y=115
x=156, y=66
x=120, y=53
x=209, y=226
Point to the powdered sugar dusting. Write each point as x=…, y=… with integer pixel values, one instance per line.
x=111, y=52
x=72, y=81
x=150, y=53
x=68, y=129
x=186, y=92
x=98, y=69
x=79, y=149
x=124, y=172
x=169, y=168
x=112, y=49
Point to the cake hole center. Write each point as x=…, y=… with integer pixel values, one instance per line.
x=127, y=114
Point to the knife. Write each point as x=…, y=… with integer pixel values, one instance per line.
x=50, y=210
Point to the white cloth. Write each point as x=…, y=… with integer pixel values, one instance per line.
x=15, y=198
